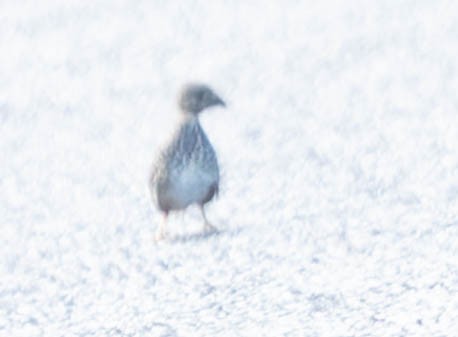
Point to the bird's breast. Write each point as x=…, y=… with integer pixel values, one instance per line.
x=188, y=170
x=192, y=183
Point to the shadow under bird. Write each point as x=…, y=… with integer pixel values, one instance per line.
x=186, y=171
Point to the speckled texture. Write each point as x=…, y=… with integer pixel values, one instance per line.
x=338, y=205
x=186, y=171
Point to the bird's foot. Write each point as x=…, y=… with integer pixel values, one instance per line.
x=209, y=228
x=159, y=236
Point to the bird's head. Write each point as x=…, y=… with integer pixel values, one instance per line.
x=196, y=97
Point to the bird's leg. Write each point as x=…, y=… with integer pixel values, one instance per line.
x=207, y=225
x=161, y=232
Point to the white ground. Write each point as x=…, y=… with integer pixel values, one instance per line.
x=339, y=151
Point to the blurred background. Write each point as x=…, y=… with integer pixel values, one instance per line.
x=338, y=210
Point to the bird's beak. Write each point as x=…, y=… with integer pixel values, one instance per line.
x=218, y=101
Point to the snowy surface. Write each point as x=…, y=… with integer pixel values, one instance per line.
x=338, y=208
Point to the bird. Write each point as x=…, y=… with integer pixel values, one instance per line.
x=186, y=171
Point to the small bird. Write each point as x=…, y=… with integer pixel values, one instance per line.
x=186, y=171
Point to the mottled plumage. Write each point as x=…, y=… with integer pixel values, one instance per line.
x=186, y=171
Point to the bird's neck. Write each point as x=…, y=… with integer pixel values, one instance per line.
x=189, y=117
